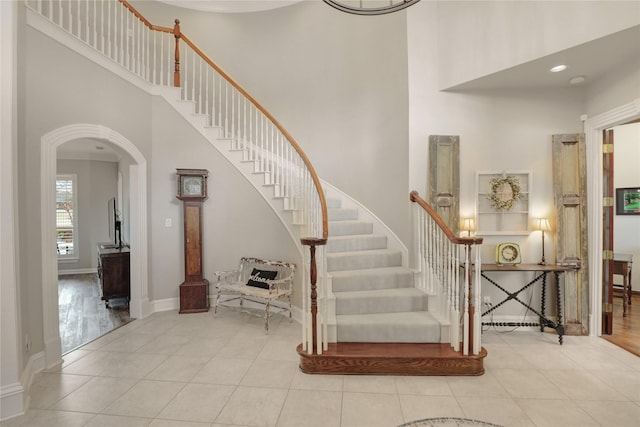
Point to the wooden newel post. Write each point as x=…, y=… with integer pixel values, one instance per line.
x=176, y=70
x=312, y=242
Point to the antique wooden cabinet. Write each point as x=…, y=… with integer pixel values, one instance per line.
x=113, y=272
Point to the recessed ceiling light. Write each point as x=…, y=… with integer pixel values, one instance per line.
x=577, y=80
x=99, y=147
x=558, y=68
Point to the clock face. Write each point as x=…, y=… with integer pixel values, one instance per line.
x=192, y=186
x=508, y=253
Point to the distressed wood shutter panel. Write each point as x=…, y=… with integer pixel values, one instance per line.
x=569, y=186
x=444, y=178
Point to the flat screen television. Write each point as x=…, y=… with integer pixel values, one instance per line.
x=115, y=232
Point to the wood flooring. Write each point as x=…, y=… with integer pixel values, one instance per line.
x=626, y=330
x=83, y=315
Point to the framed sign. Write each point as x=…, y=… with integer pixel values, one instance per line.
x=628, y=201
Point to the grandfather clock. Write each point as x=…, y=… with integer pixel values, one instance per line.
x=192, y=190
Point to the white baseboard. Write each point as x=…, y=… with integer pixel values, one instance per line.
x=14, y=398
x=77, y=271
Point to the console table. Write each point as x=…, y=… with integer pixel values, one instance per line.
x=541, y=276
x=622, y=265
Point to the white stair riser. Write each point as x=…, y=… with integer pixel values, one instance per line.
x=348, y=228
x=342, y=214
x=366, y=304
x=356, y=243
x=345, y=281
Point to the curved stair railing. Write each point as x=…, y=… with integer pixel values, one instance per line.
x=446, y=269
x=155, y=54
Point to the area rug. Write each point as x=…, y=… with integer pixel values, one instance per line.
x=448, y=422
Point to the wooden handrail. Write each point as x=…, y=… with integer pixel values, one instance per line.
x=180, y=36
x=415, y=197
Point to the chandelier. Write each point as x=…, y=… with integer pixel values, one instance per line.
x=370, y=7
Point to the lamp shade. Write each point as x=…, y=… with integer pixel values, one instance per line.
x=543, y=224
x=468, y=224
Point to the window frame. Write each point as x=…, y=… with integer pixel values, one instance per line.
x=75, y=256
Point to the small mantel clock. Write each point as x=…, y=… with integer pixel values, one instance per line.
x=192, y=190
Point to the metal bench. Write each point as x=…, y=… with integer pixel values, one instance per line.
x=260, y=281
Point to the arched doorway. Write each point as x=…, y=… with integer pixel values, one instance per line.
x=139, y=304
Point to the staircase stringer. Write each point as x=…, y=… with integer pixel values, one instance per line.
x=215, y=136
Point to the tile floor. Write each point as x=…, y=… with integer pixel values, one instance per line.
x=196, y=370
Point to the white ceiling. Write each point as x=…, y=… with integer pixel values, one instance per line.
x=590, y=60
x=88, y=149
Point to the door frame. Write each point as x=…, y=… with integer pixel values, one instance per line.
x=139, y=305
x=593, y=137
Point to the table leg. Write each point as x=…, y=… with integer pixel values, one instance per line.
x=626, y=297
x=560, y=326
x=542, y=301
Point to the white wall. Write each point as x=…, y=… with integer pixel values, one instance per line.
x=477, y=38
x=96, y=181
x=236, y=220
x=499, y=130
x=336, y=82
x=626, y=228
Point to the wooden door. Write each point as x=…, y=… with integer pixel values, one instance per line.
x=444, y=178
x=607, y=231
x=569, y=185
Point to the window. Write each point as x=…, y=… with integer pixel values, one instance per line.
x=66, y=216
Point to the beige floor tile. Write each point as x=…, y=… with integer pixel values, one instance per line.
x=128, y=342
x=486, y=385
x=203, y=346
x=416, y=407
x=223, y=371
x=626, y=382
x=253, y=406
x=198, y=402
x=243, y=346
x=583, y=385
x=47, y=418
x=311, y=409
x=115, y=420
x=95, y=395
x=178, y=368
x=370, y=410
x=280, y=348
x=48, y=389
x=165, y=344
x=527, y=383
x=173, y=423
x=556, y=413
x=131, y=365
x=429, y=386
x=369, y=384
x=145, y=399
x=270, y=373
x=618, y=414
x=496, y=410
x=302, y=381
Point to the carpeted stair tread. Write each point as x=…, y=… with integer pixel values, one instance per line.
x=415, y=326
x=380, y=301
x=361, y=242
x=356, y=260
x=373, y=278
